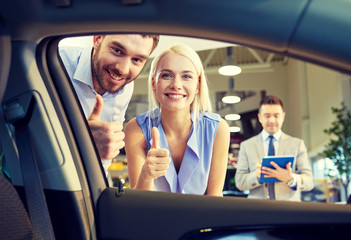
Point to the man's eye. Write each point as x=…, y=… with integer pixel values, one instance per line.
x=138, y=60
x=116, y=50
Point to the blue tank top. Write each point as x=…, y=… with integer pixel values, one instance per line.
x=193, y=174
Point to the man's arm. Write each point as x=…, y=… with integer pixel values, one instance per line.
x=246, y=178
x=303, y=174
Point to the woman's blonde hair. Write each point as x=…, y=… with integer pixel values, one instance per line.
x=202, y=102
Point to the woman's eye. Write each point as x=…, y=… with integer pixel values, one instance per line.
x=166, y=75
x=187, y=76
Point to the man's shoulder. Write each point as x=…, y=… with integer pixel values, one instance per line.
x=70, y=54
x=290, y=138
x=252, y=140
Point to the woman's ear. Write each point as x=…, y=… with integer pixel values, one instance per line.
x=153, y=83
x=198, y=86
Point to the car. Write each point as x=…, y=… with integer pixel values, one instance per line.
x=51, y=159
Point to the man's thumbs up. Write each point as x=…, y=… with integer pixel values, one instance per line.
x=155, y=138
x=108, y=136
x=95, y=114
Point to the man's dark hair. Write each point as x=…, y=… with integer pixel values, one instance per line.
x=271, y=100
x=155, y=38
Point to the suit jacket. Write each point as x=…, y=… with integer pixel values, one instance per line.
x=250, y=155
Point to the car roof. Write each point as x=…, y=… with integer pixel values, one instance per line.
x=315, y=31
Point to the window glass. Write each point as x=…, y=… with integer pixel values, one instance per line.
x=308, y=93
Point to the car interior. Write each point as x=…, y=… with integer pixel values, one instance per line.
x=52, y=182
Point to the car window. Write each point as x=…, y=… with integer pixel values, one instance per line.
x=309, y=93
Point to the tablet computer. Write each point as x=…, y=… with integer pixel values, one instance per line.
x=280, y=160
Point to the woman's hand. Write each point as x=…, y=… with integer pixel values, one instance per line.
x=157, y=160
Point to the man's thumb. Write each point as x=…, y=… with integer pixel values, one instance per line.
x=155, y=138
x=95, y=114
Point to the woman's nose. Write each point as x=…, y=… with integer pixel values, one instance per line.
x=176, y=83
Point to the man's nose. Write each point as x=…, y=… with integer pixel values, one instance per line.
x=271, y=119
x=122, y=66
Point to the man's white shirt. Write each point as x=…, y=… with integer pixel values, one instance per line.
x=77, y=61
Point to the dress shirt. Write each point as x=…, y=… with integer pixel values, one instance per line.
x=77, y=61
x=265, y=139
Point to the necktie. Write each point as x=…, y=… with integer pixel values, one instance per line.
x=271, y=152
x=271, y=146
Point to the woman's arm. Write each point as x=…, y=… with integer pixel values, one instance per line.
x=219, y=160
x=142, y=168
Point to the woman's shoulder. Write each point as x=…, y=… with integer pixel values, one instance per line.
x=217, y=119
x=142, y=117
x=131, y=125
x=145, y=117
x=208, y=116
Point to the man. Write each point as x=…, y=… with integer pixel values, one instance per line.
x=103, y=80
x=293, y=179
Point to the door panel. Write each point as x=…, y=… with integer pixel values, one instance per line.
x=135, y=214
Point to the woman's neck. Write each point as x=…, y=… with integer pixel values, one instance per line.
x=176, y=122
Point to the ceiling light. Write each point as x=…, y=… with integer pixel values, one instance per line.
x=232, y=117
x=231, y=97
x=234, y=129
x=229, y=68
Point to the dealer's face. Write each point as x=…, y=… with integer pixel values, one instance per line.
x=271, y=117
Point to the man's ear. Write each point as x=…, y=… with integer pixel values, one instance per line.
x=97, y=40
x=283, y=116
x=259, y=117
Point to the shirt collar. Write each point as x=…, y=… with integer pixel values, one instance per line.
x=276, y=135
x=83, y=73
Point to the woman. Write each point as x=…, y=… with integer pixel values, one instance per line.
x=178, y=145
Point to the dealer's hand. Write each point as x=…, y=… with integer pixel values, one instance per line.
x=282, y=174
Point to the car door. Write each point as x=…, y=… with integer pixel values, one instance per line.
x=80, y=202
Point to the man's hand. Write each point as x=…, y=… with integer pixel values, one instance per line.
x=108, y=136
x=157, y=160
x=281, y=174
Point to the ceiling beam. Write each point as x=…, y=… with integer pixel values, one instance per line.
x=255, y=55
